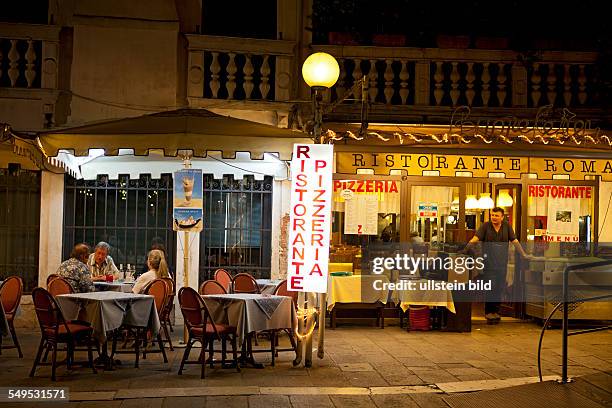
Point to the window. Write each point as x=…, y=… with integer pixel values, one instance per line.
x=126, y=213
x=19, y=225
x=251, y=19
x=237, y=233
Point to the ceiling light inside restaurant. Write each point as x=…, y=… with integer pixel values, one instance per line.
x=471, y=203
x=504, y=199
x=485, y=201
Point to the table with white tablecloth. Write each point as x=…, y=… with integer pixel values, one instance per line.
x=250, y=312
x=107, y=311
x=267, y=286
x=423, y=297
x=125, y=287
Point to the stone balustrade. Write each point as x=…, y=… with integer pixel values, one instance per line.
x=479, y=78
x=29, y=56
x=240, y=68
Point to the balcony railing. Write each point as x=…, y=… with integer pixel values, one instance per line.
x=239, y=68
x=479, y=78
x=29, y=56
x=249, y=69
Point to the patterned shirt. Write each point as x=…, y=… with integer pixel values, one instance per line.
x=107, y=268
x=77, y=274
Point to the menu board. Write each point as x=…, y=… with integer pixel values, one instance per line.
x=361, y=214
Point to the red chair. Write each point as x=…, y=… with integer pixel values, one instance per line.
x=281, y=290
x=10, y=294
x=245, y=283
x=211, y=287
x=159, y=290
x=59, y=286
x=224, y=278
x=50, y=278
x=165, y=318
x=55, y=330
x=202, y=328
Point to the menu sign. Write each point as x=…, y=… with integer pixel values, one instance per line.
x=310, y=217
x=361, y=215
x=187, y=200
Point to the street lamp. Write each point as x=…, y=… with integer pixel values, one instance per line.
x=320, y=71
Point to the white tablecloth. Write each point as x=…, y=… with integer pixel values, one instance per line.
x=243, y=311
x=107, y=311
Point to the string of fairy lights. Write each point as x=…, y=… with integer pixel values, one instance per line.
x=331, y=136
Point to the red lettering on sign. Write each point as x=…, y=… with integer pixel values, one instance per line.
x=296, y=282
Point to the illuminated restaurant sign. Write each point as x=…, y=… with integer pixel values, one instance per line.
x=470, y=165
x=310, y=217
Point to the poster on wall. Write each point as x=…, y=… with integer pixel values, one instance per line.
x=563, y=218
x=310, y=217
x=428, y=210
x=361, y=214
x=188, y=201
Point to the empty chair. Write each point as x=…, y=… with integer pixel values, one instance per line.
x=281, y=290
x=211, y=287
x=203, y=329
x=50, y=278
x=10, y=293
x=59, y=286
x=224, y=278
x=245, y=283
x=55, y=330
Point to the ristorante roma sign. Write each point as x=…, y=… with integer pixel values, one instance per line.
x=474, y=166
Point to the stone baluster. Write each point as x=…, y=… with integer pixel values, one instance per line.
x=231, y=69
x=404, y=76
x=340, y=88
x=454, y=77
x=567, y=85
x=536, y=79
x=248, y=76
x=485, y=78
x=373, y=80
x=582, y=95
x=13, y=55
x=551, y=79
x=501, y=84
x=389, y=91
x=30, y=55
x=264, y=85
x=438, y=78
x=214, y=74
x=357, y=75
x=470, y=77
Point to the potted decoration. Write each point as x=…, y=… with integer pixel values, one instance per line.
x=452, y=41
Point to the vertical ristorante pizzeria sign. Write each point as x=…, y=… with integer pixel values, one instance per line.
x=310, y=217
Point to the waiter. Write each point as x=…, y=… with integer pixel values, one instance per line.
x=495, y=234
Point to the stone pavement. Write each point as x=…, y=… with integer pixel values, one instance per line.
x=363, y=366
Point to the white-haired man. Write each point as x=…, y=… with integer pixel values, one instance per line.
x=100, y=262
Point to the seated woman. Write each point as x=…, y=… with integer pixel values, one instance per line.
x=157, y=269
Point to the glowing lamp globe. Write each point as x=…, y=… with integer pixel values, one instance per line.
x=320, y=70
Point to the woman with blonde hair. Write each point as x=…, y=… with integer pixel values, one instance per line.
x=158, y=268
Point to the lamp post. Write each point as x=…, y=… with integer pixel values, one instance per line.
x=320, y=71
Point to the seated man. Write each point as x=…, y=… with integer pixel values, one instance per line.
x=75, y=271
x=100, y=262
